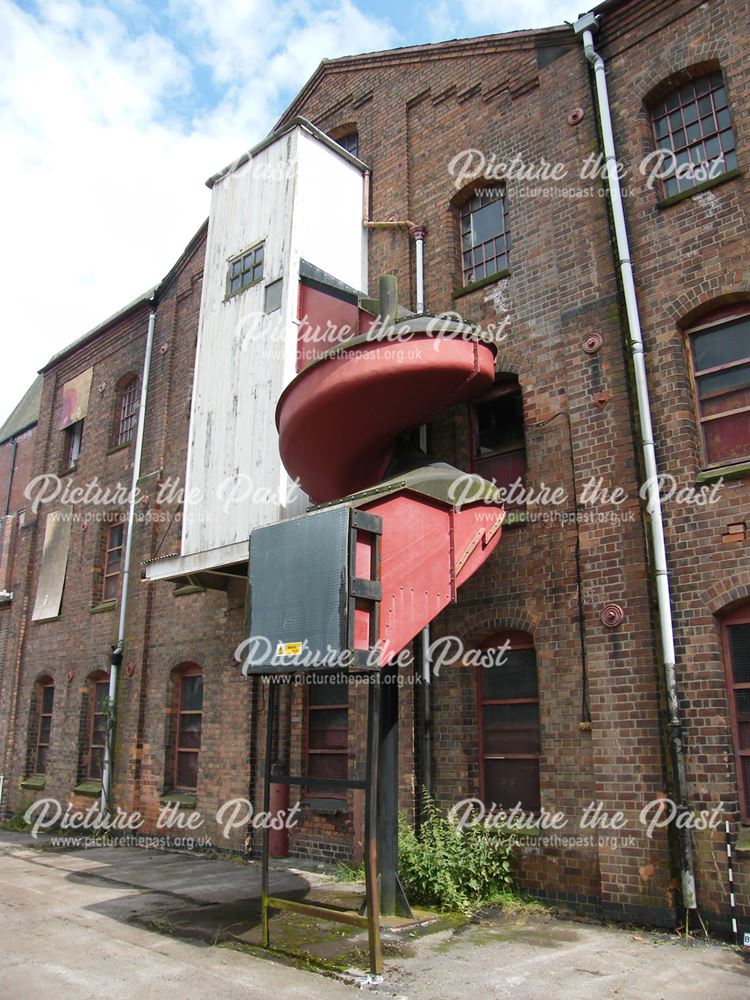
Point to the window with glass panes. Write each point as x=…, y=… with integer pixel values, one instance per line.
x=720, y=353
x=189, y=728
x=509, y=735
x=245, y=270
x=112, y=560
x=693, y=125
x=46, y=695
x=327, y=732
x=98, y=727
x=127, y=410
x=736, y=627
x=485, y=235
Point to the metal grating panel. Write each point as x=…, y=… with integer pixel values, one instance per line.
x=299, y=577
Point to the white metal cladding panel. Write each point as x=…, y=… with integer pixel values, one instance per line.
x=328, y=230
x=303, y=200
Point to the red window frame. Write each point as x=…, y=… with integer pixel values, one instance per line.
x=99, y=691
x=519, y=641
x=184, y=674
x=315, y=752
x=740, y=720
x=127, y=410
x=488, y=256
x=514, y=454
x=42, y=746
x=113, y=545
x=694, y=123
x=727, y=319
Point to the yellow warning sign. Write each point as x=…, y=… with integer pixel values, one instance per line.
x=289, y=649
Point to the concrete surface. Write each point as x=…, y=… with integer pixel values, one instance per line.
x=132, y=923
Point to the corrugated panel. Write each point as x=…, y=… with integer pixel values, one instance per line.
x=54, y=563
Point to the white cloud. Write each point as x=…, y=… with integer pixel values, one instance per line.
x=103, y=174
x=447, y=19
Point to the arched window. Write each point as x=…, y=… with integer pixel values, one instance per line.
x=347, y=137
x=41, y=724
x=126, y=409
x=188, y=726
x=498, y=443
x=719, y=349
x=98, y=702
x=693, y=129
x=485, y=234
x=509, y=735
x=736, y=636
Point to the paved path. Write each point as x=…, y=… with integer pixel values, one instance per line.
x=75, y=923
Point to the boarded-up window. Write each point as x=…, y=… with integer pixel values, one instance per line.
x=498, y=442
x=328, y=733
x=49, y=588
x=189, y=727
x=509, y=735
x=76, y=398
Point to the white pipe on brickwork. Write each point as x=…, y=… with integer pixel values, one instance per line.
x=585, y=27
x=116, y=657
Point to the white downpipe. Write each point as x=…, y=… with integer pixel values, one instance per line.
x=419, y=248
x=585, y=27
x=116, y=657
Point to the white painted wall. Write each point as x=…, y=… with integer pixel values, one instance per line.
x=305, y=200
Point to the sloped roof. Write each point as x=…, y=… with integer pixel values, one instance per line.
x=26, y=412
x=531, y=38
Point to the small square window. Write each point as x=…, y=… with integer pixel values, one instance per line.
x=245, y=270
x=272, y=296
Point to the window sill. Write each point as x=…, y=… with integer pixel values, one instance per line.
x=325, y=806
x=185, y=800
x=118, y=447
x=674, y=199
x=736, y=471
x=35, y=782
x=93, y=789
x=491, y=279
x=104, y=606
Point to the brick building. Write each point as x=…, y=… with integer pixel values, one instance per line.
x=571, y=586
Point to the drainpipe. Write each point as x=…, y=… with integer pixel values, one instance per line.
x=419, y=233
x=585, y=27
x=117, y=652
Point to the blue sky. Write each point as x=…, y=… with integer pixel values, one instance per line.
x=112, y=115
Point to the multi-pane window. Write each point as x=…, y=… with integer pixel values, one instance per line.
x=98, y=727
x=721, y=366
x=245, y=270
x=509, y=737
x=46, y=695
x=127, y=410
x=73, y=441
x=113, y=542
x=693, y=127
x=737, y=653
x=485, y=235
x=349, y=142
x=327, y=732
x=497, y=439
x=189, y=727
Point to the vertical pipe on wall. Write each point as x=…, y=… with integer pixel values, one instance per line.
x=116, y=655
x=585, y=27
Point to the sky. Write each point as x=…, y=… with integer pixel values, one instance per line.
x=113, y=115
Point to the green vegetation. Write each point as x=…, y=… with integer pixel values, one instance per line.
x=447, y=868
